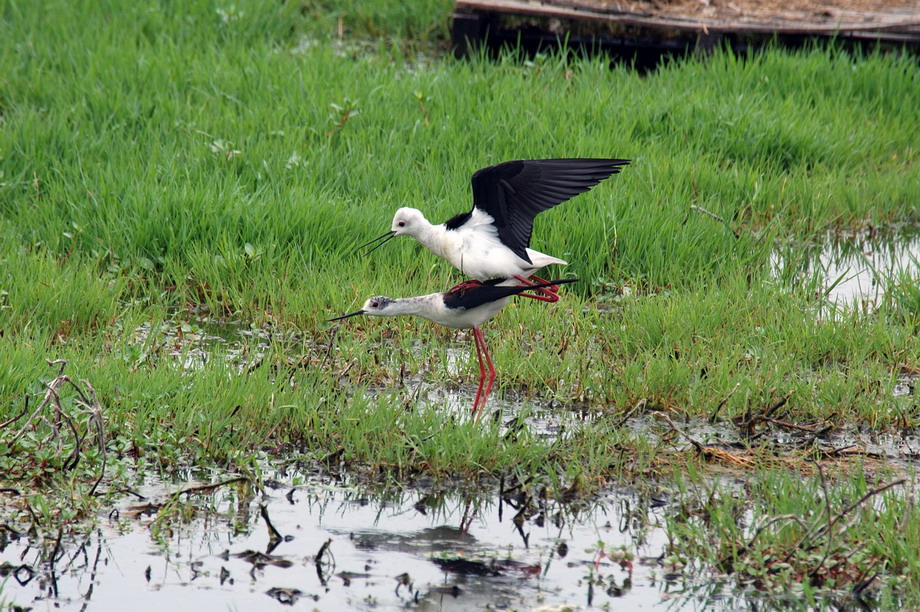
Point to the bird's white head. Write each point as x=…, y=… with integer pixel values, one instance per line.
x=408, y=221
x=377, y=306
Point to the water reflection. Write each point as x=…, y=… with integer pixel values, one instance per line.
x=319, y=543
x=326, y=545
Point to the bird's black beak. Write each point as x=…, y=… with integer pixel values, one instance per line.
x=354, y=314
x=384, y=238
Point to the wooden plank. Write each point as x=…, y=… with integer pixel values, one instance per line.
x=898, y=29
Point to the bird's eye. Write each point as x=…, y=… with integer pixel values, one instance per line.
x=375, y=304
x=401, y=224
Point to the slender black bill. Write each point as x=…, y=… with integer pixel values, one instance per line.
x=383, y=238
x=354, y=314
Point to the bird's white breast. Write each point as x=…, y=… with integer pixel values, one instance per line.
x=476, y=250
x=466, y=319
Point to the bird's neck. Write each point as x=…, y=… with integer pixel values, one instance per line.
x=432, y=237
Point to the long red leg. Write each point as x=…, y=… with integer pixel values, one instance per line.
x=477, y=334
x=547, y=294
x=482, y=369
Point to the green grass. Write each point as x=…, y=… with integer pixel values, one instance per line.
x=799, y=539
x=162, y=163
x=129, y=147
x=170, y=157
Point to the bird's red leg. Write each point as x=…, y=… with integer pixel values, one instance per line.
x=551, y=288
x=547, y=294
x=464, y=285
x=482, y=368
x=477, y=333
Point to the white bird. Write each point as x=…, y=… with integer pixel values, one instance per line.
x=492, y=240
x=465, y=307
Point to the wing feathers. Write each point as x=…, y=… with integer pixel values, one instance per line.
x=515, y=192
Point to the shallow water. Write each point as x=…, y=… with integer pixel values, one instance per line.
x=434, y=546
x=853, y=269
x=420, y=549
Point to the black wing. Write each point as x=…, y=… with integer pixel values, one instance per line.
x=489, y=291
x=515, y=192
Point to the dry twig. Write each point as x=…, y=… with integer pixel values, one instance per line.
x=719, y=218
x=715, y=413
x=709, y=452
x=748, y=423
x=207, y=488
x=86, y=400
x=18, y=416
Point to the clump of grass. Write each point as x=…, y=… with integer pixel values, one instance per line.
x=61, y=295
x=810, y=538
x=902, y=293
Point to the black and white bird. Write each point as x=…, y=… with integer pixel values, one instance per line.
x=493, y=239
x=464, y=307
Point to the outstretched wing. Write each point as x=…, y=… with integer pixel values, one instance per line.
x=515, y=192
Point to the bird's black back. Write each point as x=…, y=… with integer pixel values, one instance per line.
x=472, y=296
x=457, y=220
x=514, y=192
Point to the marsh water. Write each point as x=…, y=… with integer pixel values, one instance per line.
x=336, y=546
x=340, y=547
x=853, y=270
x=319, y=541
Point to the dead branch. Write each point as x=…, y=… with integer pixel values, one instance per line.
x=49, y=394
x=74, y=459
x=806, y=542
x=207, y=488
x=812, y=430
x=322, y=550
x=776, y=519
x=83, y=400
x=715, y=413
x=18, y=416
x=861, y=501
x=699, y=447
x=709, y=453
x=97, y=419
x=782, y=402
x=719, y=218
x=827, y=506
x=640, y=405
x=86, y=400
x=330, y=347
x=324, y=569
x=60, y=362
x=57, y=547
x=748, y=423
